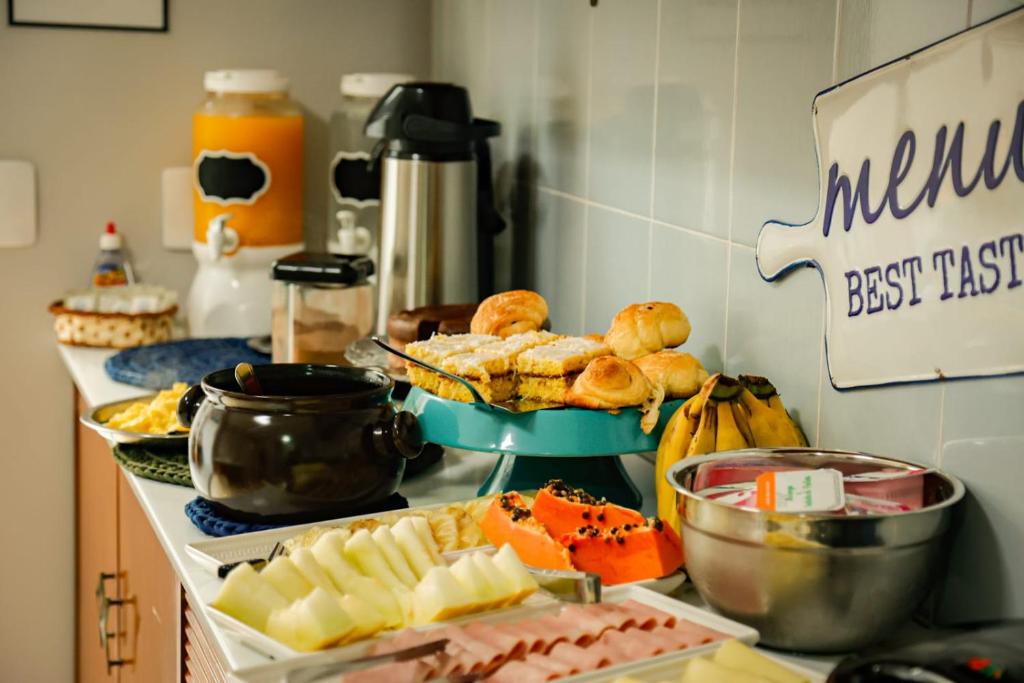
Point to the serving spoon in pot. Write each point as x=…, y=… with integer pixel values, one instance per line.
x=245, y=375
x=477, y=398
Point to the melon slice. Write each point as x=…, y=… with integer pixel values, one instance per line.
x=367, y=619
x=509, y=521
x=627, y=553
x=393, y=554
x=248, y=597
x=312, y=623
x=440, y=596
x=312, y=571
x=286, y=578
x=562, y=510
x=409, y=542
x=511, y=569
x=362, y=551
x=468, y=573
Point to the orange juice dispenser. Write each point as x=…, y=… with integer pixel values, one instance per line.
x=247, y=193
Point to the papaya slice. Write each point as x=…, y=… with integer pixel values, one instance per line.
x=563, y=509
x=508, y=520
x=631, y=552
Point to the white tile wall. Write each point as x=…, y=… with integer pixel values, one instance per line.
x=664, y=133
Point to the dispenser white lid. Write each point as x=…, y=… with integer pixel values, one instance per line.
x=371, y=85
x=245, y=80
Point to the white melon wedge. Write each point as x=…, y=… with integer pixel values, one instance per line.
x=422, y=527
x=505, y=591
x=736, y=655
x=362, y=551
x=366, y=618
x=322, y=621
x=284, y=576
x=248, y=597
x=393, y=554
x=702, y=670
x=282, y=625
x=412, y=547
x=312, y=571
x=440, y=596
x=476, y=582
x=329, y=551
x=512, y=568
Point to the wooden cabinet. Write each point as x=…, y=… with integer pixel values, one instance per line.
x=150, y=627
x=122, y=570
x=96, y=477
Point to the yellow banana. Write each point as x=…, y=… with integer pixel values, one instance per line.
x=703, y=440
x=696, y=402
x=739, y=414
x=775, y=403
x=769, y=429
x=728, y=436
x=671, y=448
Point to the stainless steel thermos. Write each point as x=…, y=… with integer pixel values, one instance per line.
x=438, y=219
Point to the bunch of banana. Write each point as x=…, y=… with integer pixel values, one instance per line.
x=727, y=414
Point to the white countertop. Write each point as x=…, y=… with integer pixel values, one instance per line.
x=456, y=478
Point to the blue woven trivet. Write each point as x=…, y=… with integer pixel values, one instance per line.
x=158, y=366
x=213, y=522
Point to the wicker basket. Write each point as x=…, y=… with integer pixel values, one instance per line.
x=111, y=330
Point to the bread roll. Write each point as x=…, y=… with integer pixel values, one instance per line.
x=679, y=373
x=509, y=313
x=640, y=329
x=608, y=383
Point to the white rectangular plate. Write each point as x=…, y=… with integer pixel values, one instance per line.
x=535, y=607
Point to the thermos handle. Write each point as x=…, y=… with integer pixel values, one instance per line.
x=189, y=403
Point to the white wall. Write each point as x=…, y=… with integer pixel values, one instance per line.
x=100, y=113
x=662, y=134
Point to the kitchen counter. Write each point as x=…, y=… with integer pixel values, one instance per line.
x=457, y=478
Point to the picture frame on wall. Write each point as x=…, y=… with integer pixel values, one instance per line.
x=109, y=15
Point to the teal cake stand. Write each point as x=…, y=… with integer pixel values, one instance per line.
x=581, y=447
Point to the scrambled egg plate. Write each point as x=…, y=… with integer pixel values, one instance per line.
x=158, y=416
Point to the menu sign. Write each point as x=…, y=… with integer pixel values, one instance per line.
x=919, y=235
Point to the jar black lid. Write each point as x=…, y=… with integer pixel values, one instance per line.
x=323, y=268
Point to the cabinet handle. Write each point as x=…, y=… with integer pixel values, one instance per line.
x=103, y=604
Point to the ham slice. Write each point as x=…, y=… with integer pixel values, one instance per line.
x=692, y=635
x=583, y=658
x=522, y=672
x=474, y=655
x=412, y=671
x=647, y=617
x=534, y=639
x=556, y=668
x=510, y=642
x=589, y=619
x=614, y=615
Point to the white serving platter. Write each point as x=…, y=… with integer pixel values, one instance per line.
x=535, y=607
x=215, y=552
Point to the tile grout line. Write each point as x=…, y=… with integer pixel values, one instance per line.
x=970, y=11
x=629, y=214
x=534, y=88
x=586, y=164
x=732, y=186
x=824, y=312
x=654, y=150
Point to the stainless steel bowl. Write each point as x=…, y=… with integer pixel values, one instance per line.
x=813, y=582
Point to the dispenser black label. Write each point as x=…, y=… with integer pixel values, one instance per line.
x=352, y=181
x=226, y=178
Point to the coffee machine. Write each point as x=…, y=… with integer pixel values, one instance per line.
x=438, y=219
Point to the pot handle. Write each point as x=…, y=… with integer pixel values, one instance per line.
x=401, y=434
x=189, y=403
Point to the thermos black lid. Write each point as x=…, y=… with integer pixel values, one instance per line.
x=323, y=268
x=427, y=120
